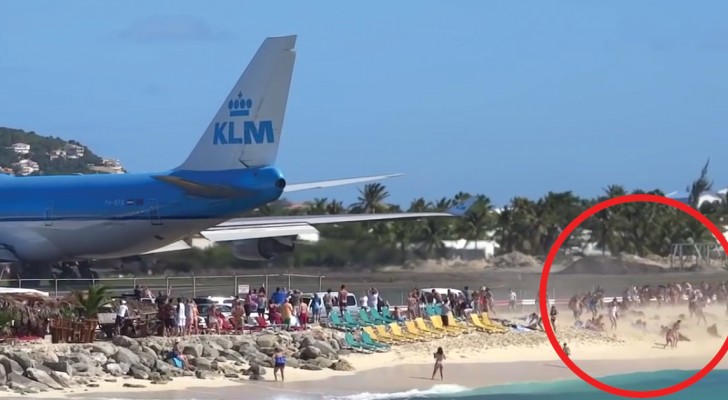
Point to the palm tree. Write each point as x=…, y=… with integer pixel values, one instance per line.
x=92, y=300
x=371, y=199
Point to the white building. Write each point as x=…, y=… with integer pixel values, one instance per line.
x=73, y=151
x=21, y=148
x=25, y=167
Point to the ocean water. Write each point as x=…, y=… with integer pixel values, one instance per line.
x=713, y=387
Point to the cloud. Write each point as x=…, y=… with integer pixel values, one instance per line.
x=172, y=28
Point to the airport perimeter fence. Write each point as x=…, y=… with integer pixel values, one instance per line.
x=184, y=286
x=501, y=296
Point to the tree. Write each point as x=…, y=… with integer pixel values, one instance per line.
x=92, y=300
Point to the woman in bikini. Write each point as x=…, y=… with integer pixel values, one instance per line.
x=279, y=364
x=439, y=358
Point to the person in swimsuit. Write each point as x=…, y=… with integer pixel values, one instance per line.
x=567, y=350
x=439, y=358
x=279, y=363
x=554, y=313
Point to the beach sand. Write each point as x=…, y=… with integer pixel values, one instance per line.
x=473, y=360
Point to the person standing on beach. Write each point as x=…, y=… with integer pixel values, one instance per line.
x=613, y=313
x=343, y=299
x=512, y=300
x=287, y=313
x=279, y=363
x=316, y=307
x=554, y=313
x=439, y=358
x=328, y=302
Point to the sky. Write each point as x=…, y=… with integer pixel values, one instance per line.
x=502, y=98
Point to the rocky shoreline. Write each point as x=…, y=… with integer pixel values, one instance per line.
x=33, y=368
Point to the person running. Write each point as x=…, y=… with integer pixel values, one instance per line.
x=439, y=358
x=279, y=363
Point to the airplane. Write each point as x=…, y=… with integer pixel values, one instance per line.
x=46, y=220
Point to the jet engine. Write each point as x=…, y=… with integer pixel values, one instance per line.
x=262, y=249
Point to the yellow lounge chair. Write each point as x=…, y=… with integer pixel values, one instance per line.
x=382, y=332
x=376, y=337
x=478, y=324
x=489, y=324
x=457, y=324
x=397, y=332
x=412, y=329
x=422, y=326
x=437, y=324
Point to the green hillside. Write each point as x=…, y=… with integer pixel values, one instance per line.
x=41, y=149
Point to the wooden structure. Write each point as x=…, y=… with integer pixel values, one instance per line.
x=71, y=330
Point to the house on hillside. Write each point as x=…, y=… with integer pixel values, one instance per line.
x=57, y=153
x=25, y=167
x=74, y=151
x=21, y=148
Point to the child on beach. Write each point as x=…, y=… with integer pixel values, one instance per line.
x=439, y=358
x=279, y=363
x=567, y=350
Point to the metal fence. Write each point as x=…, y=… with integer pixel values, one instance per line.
x=186, y=286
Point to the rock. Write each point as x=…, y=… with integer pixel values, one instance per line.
x=124, y=341
x=60, y=366
x=267, y=341
x=32, y=369
x=134, y=385
x=202, y=363
x=204, y=374
x=310, y=353
x=19, y=382
x=10, y=365
x=126, y=356
x=342, y=365
x=106, y=349
x=23, y=359
x=42, y=377
x=138, y=373
x=193, y=350
x=62, y=378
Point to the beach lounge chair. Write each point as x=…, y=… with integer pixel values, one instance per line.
x=376, y=337
x=357, y=345
x=397, y=332
x=422, y=326
x=412, y=329
x=478, y=324
x=349, y=319
x=365, y=319
x=456, y=323
x=485, y=319
x=368, y=340
x=351, y=344
x=336, y=322
x=382, y=332
x=384, y=317
x=437, y=324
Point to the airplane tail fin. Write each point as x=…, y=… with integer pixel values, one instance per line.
x=246, y=130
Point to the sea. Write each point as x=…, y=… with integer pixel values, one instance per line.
x=712, y=387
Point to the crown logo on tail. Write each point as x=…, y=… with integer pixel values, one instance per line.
x=240, y=106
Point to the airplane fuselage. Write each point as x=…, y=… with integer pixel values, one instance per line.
x=83, y=217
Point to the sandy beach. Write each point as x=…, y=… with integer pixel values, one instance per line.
x=473, y=360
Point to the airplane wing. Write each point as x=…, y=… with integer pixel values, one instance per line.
x=295, y=225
